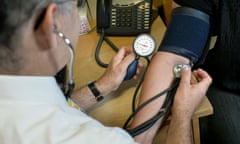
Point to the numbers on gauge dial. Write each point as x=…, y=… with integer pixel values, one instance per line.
x=144, y=45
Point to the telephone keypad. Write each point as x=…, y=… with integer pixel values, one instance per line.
x=124, y=17
x=130, y=19
x=121, y=17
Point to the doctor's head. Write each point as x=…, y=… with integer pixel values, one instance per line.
x=29, y=44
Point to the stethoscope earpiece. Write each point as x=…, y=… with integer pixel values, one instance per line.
x=70, y=85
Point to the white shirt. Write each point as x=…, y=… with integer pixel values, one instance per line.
x=33, y=110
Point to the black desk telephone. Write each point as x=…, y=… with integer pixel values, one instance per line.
x=123, y=17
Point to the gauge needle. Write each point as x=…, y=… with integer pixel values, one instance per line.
x=143, y=44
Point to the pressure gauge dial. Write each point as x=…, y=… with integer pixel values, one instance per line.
x=144, y=45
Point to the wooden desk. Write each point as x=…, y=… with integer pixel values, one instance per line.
x=115, y=111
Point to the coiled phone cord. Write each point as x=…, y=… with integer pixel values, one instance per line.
x=99, y=45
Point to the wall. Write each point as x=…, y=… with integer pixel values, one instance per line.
x=92, y=5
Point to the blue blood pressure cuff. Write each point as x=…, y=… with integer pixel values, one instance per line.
x=187, y=33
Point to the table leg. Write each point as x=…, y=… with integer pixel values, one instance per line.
x=196, y=130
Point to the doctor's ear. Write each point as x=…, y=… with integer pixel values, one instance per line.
x=45, y=24
x=39, y=19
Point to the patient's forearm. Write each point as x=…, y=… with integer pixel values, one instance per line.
x=158, y=77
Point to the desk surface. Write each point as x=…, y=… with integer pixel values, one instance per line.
x=115, y=111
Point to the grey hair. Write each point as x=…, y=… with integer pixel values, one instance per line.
x=13, y=13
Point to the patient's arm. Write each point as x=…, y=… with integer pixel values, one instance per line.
x=158, y=77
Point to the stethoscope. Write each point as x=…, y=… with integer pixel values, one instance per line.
x=170, y=91
x=70, y=84
x=144, y=45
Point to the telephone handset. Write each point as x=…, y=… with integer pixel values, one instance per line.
x=123, y=17
x=102, y=14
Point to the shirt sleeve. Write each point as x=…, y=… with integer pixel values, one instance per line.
x=83, y=129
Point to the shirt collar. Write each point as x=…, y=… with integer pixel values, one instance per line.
x=37, y=89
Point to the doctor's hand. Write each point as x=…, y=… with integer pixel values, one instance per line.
x=190, y=93
x=116, y=71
